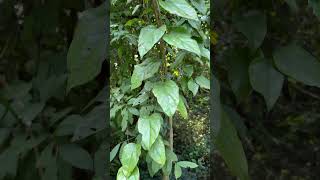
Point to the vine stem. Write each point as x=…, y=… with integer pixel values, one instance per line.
x=157, y=13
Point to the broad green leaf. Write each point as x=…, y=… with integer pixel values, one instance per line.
x=297, y=63
x=266, y=80
x=187, y=164
x=315, y=5
x=182, y=108
x=129, y=157
x=76, y=156
x=177, y=171
x=92, y=123
x=205, y=52
x=114, y=152
x=88, y=48
x=171, y=157
x=167, y=94
x=254, y=26
x=200, y=5
x=230, y=148
x=203, y=82
x=238, y=121
x=100, y=163
x=121, y=175
x=48, y=161
x=179, y=7
x=182, y=39
x=68, y=125
x=8, y=163
x=193, y=87
x=238, y=75
x=188, y=69
x=158, y=152
x=153, y=167
x=149, y=128
x=144, y=71
x=148, y=37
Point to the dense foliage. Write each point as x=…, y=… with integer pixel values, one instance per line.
x=51, y=127
x=159, y=58
x=266, y=80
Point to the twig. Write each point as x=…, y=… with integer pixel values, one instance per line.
x=306, y=92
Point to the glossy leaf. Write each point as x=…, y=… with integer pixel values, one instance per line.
x=88, y=48
x=149, y=127
x=298, y=64
x=193, y=87
x=230, y=148
x=187, y=164
x=177, y=171
x=167, y=94
x=254, y=26
x=182, y=108
x=238, y=74
x=158, y=152
x=266, y=80
x=114, y=151
x=148, y=37
x=76, y=156
x=129, y=157
x=144, y=71
x=179, y=7
x=182, y=39
x=203, y=82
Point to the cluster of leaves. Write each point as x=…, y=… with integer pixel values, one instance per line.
x=159, y=56
x=50, y=128
x=259, y=55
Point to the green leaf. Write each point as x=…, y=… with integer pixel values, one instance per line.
x=92, y=124
x=68, y=125
x=188, y=69
x=193, y=87
x=148, y=37
x=315, y=4
x=48, y=161
x=158, y=152
x=171, y=157
x=135, y=175
x=254, y=26
x=149, y=128
x=266, y=80
x=100, y=163
x=187, y=164
x=230, y=147
x=88, y=48
x=129, y=157
x=167, y=94
x=203, y=82
x=177, y=171
x=179, y=7
x=238, y=75
x=114, y=152
x=144, y=71
x=182, y=39
x=297, y=63
x=8, y=163
x=182, y=108
x=76, y=156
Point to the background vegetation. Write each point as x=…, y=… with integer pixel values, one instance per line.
x=267, y=63
x=52, y=90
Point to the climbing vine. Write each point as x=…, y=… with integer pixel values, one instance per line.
x=159, y=58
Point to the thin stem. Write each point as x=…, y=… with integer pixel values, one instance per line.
x=157, y=13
